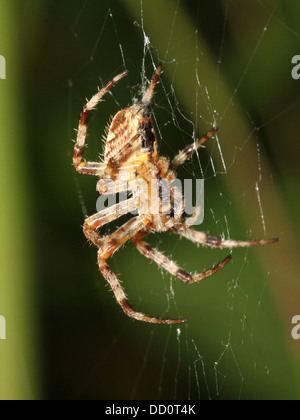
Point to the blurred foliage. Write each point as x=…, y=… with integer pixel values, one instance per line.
x=19, y=361
x=239, y=321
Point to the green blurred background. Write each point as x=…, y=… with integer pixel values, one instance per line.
x=66, y=336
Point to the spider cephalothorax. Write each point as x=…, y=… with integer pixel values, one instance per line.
x=131, y=163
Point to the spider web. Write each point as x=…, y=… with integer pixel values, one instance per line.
x=232, y=346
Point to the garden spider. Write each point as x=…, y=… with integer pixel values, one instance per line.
x=131, y=155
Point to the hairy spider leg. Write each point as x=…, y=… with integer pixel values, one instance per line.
x=171, y=267
x=109, y=246
x=149, y=92
x=186, y=153
x=106, y=216
x=215, y=242
x=118, y=290
x=90, y=168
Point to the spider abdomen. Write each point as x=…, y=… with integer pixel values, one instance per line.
x=130, y=133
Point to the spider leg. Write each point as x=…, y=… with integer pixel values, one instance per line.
x=121, y=298
x=109, y=245
x=186, y=153
x=215, y=242
x=172, y=267
x=91, y=168
x=149, y=92
x=105, y=216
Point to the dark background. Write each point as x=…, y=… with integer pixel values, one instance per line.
x=66, y=336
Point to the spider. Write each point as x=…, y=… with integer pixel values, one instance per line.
x=131, y=154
